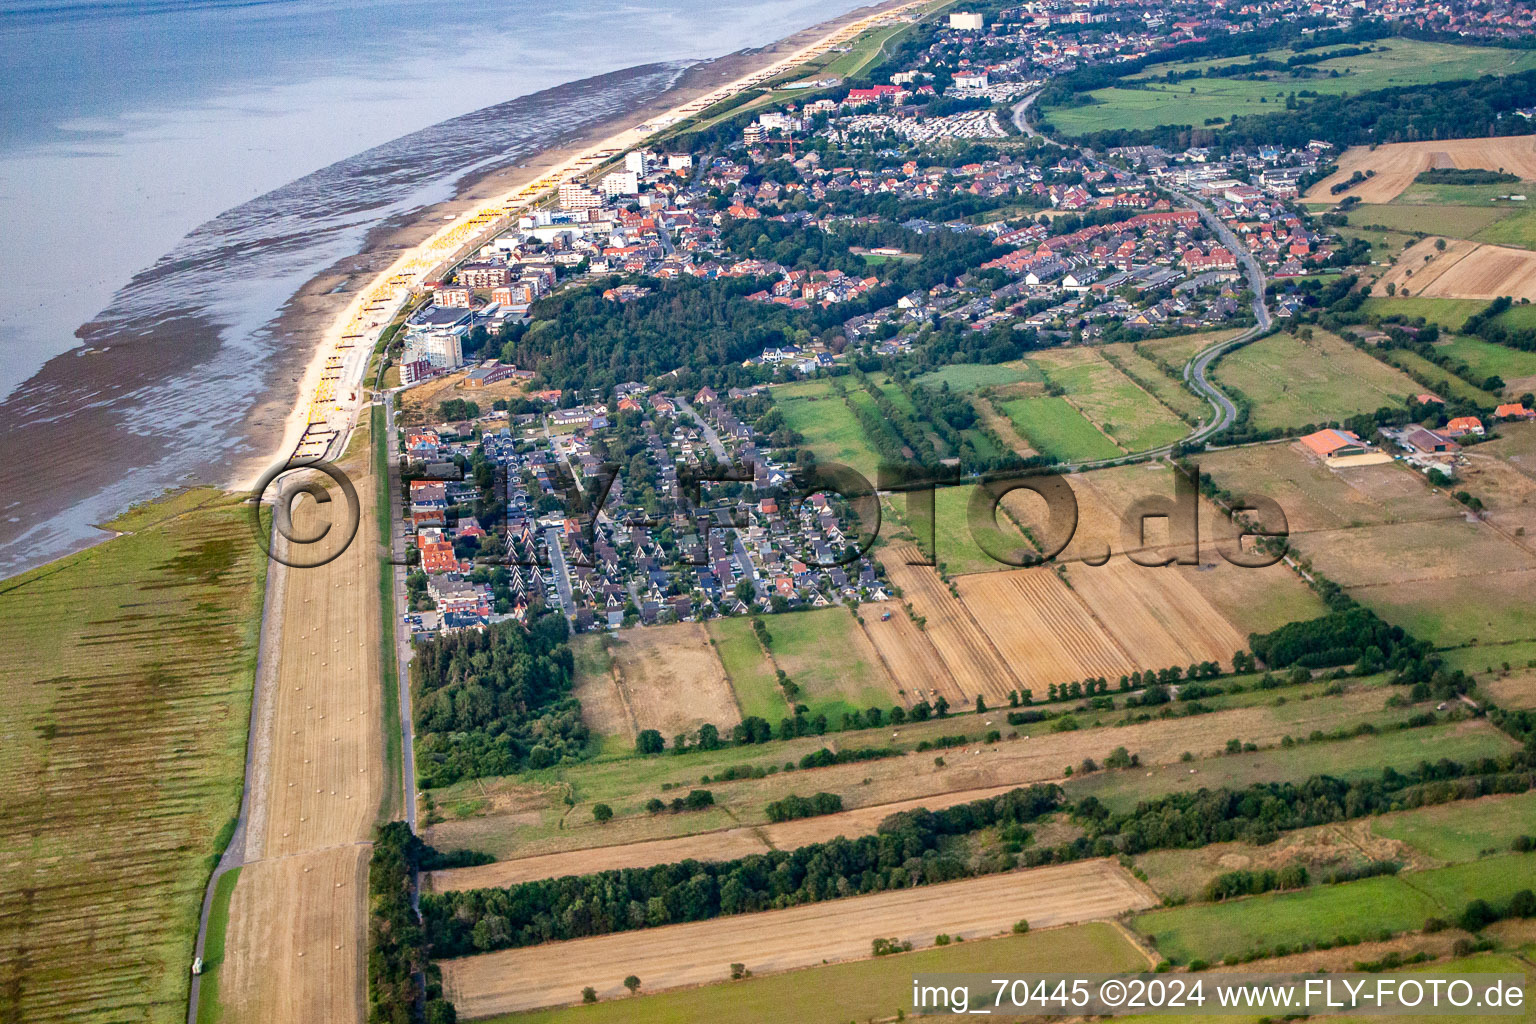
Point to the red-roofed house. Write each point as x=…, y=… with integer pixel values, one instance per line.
x=1464, y=425
x=1514, y=411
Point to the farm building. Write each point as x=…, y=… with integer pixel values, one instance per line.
x=1514, y=411
x=1332, y=443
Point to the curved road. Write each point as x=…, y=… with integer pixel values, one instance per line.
x=1223, y=409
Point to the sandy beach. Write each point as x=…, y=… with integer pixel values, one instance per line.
x=347, y=322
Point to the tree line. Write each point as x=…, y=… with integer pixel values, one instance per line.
x=397, y=943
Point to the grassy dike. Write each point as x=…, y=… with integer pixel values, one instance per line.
x=125, y=688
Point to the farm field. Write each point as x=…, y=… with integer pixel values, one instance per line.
x=1450, y=314
x=1393, y=903
x=670, y=678
x=523, y=818
x=1491, y=608
x=1360, y=757
x=968, y=377
x=126, y=675
x=1446, y=385
x=1292, y=382
x=1112, y=401
x=812, y=410
x=1040, y=629
x=1171, y=393
x=1517, y=229
x=1385, y=245
x=602, y=708
x=1403, y=62
x=1451, y=221
x=1464, y=270
x=1487, y=359
x=865, y=988
x=749, y=671
x=957, y=543
x=1156, y=615
x=973, y=663
x=1447, y=549
x=295, y=947
x=1464, y=830
x=828, y=656
x=781, y=940
x=1398, y=163
x=913, y=663
x=1178, y=349
x=1054, y=427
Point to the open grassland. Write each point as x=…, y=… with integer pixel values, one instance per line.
x=1292, y=382
x=1171, y=393
x=1443, y=383
x=1361, y=757
x=1491, y=608
x=815, y=412
x=1487, y=359
x=781, y=940
x=1449, y=314
x=1448, y=549
x=748, y=669
x=126, y=673
x=1353, y=909
x=602, y=704
x=1397, y=164
x=1053, y=426
x=1518, y=228
x=1117, y=405
x=1464, y=830
x=967, y=377
x=1451, y=221
x=1198, y=101
x=1385, y=245
x=865, y=989
x=670, y=679
x=959, y=545
x=1464, y=270
x=827, y=655
x=1178, y=349
x=528, y=815
x=1315, y=497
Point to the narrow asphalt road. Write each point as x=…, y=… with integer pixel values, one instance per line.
x=1224, y=412
x=402, y=638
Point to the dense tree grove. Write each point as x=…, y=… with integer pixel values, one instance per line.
x=397, y=947
x=797, y=806
x=1341, y=637
x=494, y=702
x=1485, y=324
x=907, y=850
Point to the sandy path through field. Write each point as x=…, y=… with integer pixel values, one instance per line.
x=295, y=942
x=779, y=940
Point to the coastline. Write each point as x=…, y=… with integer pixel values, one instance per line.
x=143, y=408
x=703, y=84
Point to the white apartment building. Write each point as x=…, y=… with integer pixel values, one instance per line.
x=573, y=195
x=620, y=183
x=965, y=21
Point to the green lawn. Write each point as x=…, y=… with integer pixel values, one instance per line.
x=1053, y=427
x=875, y=989
x=1116, y=404
x=834, y=675
x=1357, y=758
x=812, y=410
x=1464, y=830
x=1353, y=910
x=1292, y=383
x=751, y=676
x=1404, y=62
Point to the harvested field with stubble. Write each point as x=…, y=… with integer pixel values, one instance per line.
x=1464, y=270
x=780, y=940
x=1156, y=614
x=909, y=657
x=294, y=949
x=671, y=680
x=125, y=680
x=1397, y=163
x=602, y=704
x=973, y=662
x=1041, y=629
